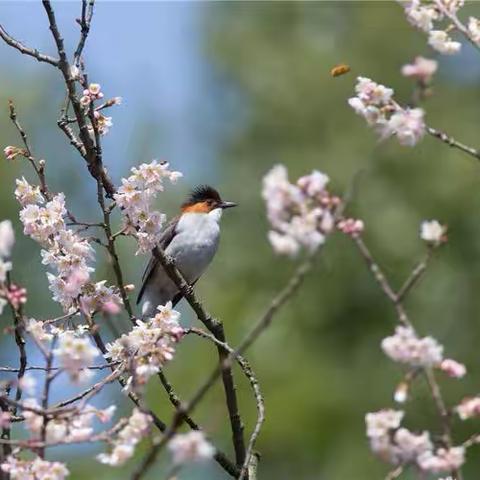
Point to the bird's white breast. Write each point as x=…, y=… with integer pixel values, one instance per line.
x=195, y=242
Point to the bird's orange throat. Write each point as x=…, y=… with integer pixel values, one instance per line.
x=199, y=207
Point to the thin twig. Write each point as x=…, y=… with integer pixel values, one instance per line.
x=451, y=142
x=415, y=275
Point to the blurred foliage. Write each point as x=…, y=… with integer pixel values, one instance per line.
x=319, y=364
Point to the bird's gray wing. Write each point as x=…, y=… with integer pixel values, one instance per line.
x=163, y=243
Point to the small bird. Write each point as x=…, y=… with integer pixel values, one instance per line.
x=191, y=239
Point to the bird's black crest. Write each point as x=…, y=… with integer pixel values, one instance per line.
x=201, y=194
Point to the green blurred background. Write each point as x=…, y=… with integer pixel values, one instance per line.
x=224, y=91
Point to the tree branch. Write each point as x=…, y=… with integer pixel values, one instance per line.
x=32, y=52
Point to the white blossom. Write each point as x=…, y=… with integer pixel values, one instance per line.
x=432, y=231
x=7, y=238
x=27, y=194
x=301, y=214
x=407, y=125
x=190, y=447
x=406, y=347
x=135, y=197
x=375, y=104
x=443, y=460
x=442, y=42
x=36, y=469
x=381, y=422
x=474, y=29
x=75, y=353
x=149, y=345
x=123, y=445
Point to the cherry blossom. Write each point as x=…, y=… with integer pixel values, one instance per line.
x=36, y=469
x=474, y=29
x=453, y=368
x=150, y=344
x=374, y=102
x=351, y=226
x=468, y=408
x=190, y=447
x=422, y=69
x=123, y=445
x=433, y=232
x=75, y=353
x=442, y=460
x=443, y=43
x=406, y=347
x=7, y=238
x=301, y=214
x=135, y=197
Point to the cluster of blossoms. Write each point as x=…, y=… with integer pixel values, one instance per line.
x=433, y=232
x=7, y=239
x=301, y=214
x=148, y=346
x=68, y=428
x=351, y=226
x=190, y=447
x=75, y=352
x=374, y=102
x=36, y=469
x=74, y=349
x=135, y=197
x=92, y=93
x=123, y=446
x=407, y=348
x=426, y=16
x=64, y=251
x=398, y=446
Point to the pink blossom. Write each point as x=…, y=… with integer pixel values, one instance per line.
x=11, y=152
x=15, y=294
x=453, y=368
x=469, y=408
x=5, y=419
x=422, y=69
x=351, y=226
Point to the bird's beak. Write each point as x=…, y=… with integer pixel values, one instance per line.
x=227, y=205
